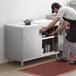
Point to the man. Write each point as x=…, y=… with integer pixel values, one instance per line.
x=69, y=15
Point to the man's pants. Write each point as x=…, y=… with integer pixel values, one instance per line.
x=69, y=49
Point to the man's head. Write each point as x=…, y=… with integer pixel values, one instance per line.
x=55, y=7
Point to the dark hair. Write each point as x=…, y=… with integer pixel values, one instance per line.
x=55, y=5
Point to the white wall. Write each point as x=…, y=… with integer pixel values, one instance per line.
x=18, y=10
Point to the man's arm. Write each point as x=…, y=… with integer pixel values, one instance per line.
x=50, y=25
x=53, y=23
x=62, y=26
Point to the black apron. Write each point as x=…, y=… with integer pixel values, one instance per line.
x=71, y=35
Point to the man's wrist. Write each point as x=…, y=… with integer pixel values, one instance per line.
x=55, y=32
x=46, y=28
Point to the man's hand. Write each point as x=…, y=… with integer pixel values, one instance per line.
x=42, y=30
x=52, y=33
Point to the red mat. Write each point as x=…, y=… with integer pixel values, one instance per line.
x=50, y=68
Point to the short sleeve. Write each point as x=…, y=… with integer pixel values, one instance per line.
x=61, y=12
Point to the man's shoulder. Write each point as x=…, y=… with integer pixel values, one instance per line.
x=63, y=7
x=66, y=7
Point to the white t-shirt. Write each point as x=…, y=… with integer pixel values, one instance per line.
x=67, y=12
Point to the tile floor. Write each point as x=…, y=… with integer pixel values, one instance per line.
x=11, y=69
